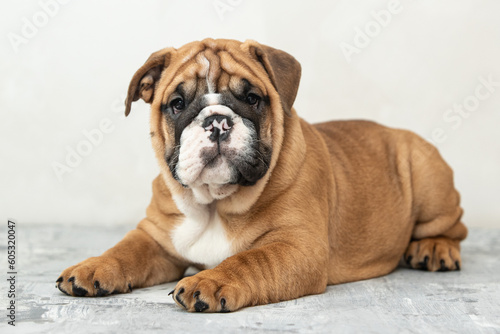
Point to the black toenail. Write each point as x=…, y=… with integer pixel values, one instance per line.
x=200, y=306
x=443, y=266
x=196, y=294
x=102, y=292
x=71, y=279
x=457, y=264
x=178, y=298
x=423, y=265
x=171, y=292
x=97, y=285
x=408, y=260
x=130, y=287
x=59, y=280
x=79, y=292
x=223, y=306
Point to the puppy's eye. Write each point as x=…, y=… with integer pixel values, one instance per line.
x=252, y=99
x=177, y=105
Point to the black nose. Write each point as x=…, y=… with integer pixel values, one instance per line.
x=219, y=125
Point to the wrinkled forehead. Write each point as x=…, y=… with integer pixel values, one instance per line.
x=212, y=71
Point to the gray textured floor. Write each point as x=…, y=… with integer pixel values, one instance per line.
x=402, y=302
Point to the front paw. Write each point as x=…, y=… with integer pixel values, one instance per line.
x=94, y=277
x=207, y=292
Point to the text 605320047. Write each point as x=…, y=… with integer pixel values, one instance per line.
x=11, y=272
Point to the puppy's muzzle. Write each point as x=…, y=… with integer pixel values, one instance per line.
x=219, y=126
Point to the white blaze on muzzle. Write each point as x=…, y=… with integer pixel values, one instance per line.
x=208, y=146
x=212, y=99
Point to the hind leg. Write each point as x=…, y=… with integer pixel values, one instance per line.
x=436, y=236
x=435, y=246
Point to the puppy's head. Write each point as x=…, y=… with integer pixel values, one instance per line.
x=218, y=109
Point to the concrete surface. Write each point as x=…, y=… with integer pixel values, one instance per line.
x=406, y=301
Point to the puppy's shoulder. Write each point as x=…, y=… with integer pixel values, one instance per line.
x=162, y=202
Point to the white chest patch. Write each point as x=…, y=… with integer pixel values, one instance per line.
x=202, y=239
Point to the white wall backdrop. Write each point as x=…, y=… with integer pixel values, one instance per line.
x=429, y=66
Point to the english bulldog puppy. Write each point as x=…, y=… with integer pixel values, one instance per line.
x=266, y=205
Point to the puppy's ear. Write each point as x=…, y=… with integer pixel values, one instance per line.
x=144, y=81
x=283, y=70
